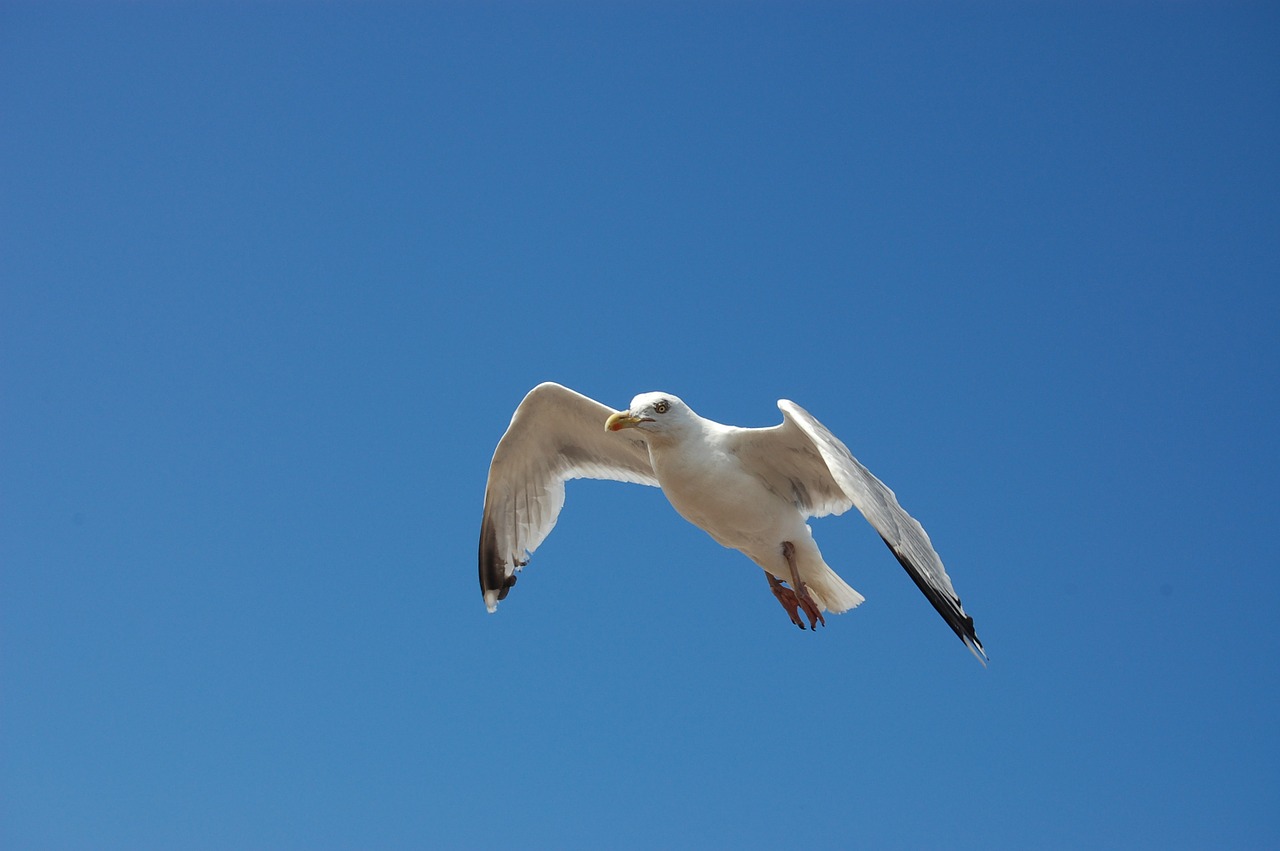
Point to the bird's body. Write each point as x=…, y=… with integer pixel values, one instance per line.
x=750, y=489
x=702, y=479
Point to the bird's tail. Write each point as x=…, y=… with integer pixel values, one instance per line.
x=831, y=592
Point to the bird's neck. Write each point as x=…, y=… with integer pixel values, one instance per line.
x=689, y=440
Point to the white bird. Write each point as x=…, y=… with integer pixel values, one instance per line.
x=751, y=489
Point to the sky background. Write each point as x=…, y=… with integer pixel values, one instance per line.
x=273, y=278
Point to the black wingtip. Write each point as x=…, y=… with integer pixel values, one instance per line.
x=950, y=608
x=493, y=571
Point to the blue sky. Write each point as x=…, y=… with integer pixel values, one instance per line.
x=275, y=276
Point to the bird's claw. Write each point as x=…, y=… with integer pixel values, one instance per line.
x=813, y=612
x=793, y=603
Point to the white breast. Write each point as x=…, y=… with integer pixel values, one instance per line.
x=710, y=489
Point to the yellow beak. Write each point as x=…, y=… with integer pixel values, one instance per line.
x=621, y=420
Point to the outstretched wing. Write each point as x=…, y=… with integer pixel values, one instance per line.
x=805, y=462
x=555, y=435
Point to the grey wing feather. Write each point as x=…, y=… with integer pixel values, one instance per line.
x=803, y=459
x=556, y=434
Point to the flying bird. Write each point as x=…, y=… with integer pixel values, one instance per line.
x=750, y=489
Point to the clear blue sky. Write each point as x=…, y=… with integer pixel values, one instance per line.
x=275, y=276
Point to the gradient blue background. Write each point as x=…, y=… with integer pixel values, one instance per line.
x=275, y=276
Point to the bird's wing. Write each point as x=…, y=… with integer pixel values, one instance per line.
x=809, y=465
x=555, y=435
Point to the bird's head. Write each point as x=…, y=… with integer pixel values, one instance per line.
x=653, y=414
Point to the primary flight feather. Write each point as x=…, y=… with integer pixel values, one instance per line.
x=751, y=489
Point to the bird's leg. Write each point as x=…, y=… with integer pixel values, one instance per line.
x=787, y=598
x=810, y=606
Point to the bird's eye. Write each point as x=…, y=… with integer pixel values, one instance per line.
x=660, y=407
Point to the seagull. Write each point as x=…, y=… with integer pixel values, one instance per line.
x=750, y=489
